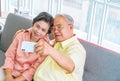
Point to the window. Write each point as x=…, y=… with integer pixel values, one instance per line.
x=97, y=21
x=103, y=24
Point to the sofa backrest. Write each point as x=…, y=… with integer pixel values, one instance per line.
x=12, y=24
x=101, y=64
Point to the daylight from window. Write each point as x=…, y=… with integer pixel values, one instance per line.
x=97, y=21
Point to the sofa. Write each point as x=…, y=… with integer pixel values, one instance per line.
x=101, y=64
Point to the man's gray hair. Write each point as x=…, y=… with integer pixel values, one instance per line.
x=68, y=18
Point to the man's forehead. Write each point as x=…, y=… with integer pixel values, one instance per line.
x=59, y=20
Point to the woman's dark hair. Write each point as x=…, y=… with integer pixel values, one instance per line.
x=44, y=16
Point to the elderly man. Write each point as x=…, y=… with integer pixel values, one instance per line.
x=65, y=60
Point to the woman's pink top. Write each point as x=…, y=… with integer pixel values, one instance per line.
x=22, y=63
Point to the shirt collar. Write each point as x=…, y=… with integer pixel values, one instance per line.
x=66, y=42
x=28, y=30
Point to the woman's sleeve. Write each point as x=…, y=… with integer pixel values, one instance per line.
x=10, y=54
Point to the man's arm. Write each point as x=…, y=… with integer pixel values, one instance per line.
x=63, y=61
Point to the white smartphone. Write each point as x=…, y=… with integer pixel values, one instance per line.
x=28, y=46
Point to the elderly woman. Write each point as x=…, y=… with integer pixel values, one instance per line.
x=20, y=65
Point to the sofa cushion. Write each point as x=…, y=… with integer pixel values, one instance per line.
x=12, y=24
x=101, y=64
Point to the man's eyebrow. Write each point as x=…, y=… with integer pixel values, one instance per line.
x=57, y=24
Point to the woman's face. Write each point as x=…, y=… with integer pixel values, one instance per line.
x=39, y=29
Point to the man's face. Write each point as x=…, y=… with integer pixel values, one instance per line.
x=62, y=30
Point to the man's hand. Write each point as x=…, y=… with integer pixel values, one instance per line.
x=43, y=48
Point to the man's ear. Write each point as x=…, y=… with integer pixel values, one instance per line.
x=71, y=26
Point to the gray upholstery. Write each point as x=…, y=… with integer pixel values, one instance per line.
x=12, y=24
x=2, y=57
x=101, y=64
